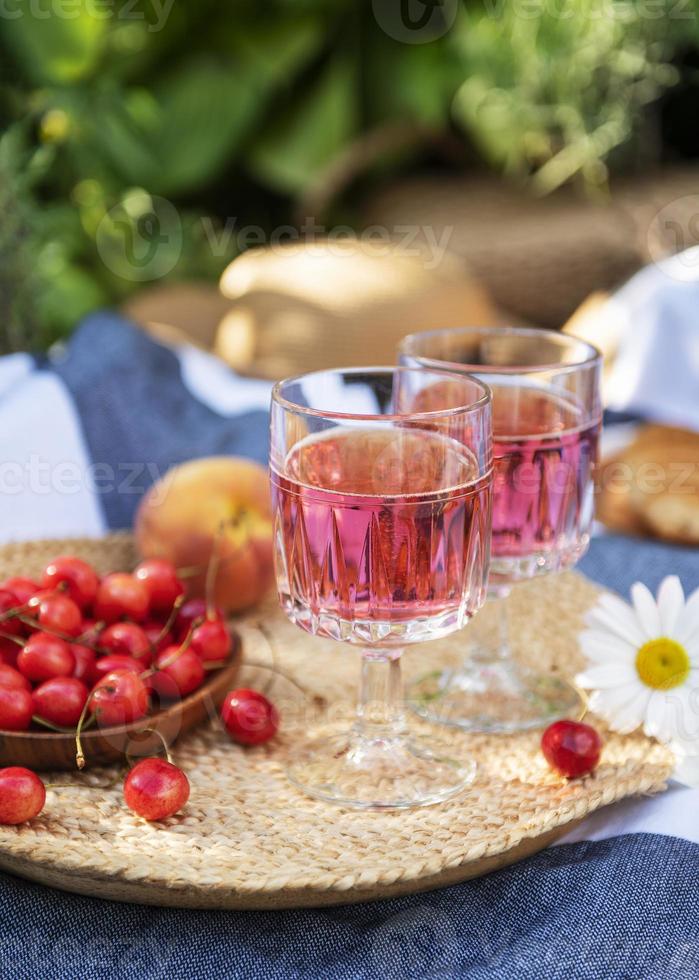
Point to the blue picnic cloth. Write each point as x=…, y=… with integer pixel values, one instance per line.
x=619, y=899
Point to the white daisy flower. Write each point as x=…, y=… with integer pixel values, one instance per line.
x=644, y=662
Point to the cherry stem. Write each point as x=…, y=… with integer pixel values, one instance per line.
x=275, y=670
x=9, y=636
x=57, y=728
x=151, y=731
x=189, y=571
x=79, y=754
x=80, y=785
x=10, y=613
x=176, y=606
x=184, y=646
x=585, y=701
x=36, y=625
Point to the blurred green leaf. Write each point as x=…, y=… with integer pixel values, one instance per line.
x=54, y=46
x=300, y=141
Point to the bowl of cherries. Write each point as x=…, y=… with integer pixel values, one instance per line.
x=87, y=662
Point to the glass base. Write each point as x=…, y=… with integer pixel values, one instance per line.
x=378, y=773
x=495, y=696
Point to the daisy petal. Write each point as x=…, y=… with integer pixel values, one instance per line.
x=687, y=769
x=623, y=708
x=646, y=610
x=602, y=647
x=613, y=614
x=664, y=716
x=687, y=630
x=670, y=603
x=606, y=675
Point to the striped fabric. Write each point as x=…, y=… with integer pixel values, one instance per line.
x=82, y=436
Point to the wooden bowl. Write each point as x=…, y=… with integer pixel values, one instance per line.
x=45, y=751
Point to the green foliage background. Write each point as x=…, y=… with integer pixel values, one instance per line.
x=246, y=108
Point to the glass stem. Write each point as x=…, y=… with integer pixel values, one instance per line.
x=490, y=633
x=380, y=710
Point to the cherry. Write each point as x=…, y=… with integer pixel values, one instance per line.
x=571, y=748
x=211, y=641
x=23, y=588
x=121, y=596
x=190, y=611
x=78, y=578
x=178, y=673
x=44, y=656
x=8, y=600
x=16, y=709
x=118, y=661
x=22, y=795
x=61, y=700
x=57, y=613
x=157, y=639
x=85, y=658
x=11, y=677
x=128, y=639
x=249, y=718
x=119, y=698
x=8, y=652
x=155, y=789
x=160, y=578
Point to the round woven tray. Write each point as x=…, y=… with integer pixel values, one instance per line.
x=248, y=840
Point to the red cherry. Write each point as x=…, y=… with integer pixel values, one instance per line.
x=85, y=659
x=23, y=588
x=11, y=677
x=190, y=611
x=8, y=600
x=44, y=656
x=179, y=672
x=160, y=578
x=121, y=596
x=16, y=709
x=119, y=698
x=22, y=795
x=211, y=641
x=571, y=748
x=60, y=701
x=116, y=661
x=128, y=639
x=155, y=789
x=78, y=578
x=156, y=638
x=8, y=652
x=249, y=718
x=55, y=612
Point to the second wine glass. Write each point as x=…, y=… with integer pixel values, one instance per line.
x=546, y=426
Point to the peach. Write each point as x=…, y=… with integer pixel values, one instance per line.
x=218, y=499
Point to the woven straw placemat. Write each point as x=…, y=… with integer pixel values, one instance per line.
x=248, y=839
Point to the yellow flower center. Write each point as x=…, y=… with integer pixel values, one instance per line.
x=662, y=663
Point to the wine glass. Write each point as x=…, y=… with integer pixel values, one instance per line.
x=382, y=532
x=546, y=427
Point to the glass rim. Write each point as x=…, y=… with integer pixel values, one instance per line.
x=593, y=356
x=481, y=402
